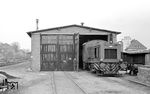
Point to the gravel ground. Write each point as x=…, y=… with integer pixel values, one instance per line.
x=29, y=82
x=57, y=83
x=107, y=85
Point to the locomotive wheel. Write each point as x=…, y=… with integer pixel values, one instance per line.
x=92, y=68
x=97, y=73
x=132, y=73
x=84, y=66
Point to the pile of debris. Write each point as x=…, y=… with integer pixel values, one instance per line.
x=144, y=74
x=5, y=84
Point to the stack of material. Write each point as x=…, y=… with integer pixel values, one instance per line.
x=144, y=74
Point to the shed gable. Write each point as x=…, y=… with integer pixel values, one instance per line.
x=71, y=29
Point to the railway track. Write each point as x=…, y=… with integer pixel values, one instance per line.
x=54, y=90
x=127, y=83
x=114, y=81
x=69, y=76
x=63, y=83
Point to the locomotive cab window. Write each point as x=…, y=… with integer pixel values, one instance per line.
x=91, y=52
x=96, y=52
x=110, y=53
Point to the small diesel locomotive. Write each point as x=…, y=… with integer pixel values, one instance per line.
x=102, y=57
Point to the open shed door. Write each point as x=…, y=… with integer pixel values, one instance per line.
x=57, y=52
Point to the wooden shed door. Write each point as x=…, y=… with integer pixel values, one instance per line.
x=57, y=52
x=66, y=52
x=49, y=52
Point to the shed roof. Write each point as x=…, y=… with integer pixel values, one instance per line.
x=80, y=26
x=138, y=52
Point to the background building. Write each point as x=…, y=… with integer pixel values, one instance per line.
x=126, y=42
x=135, y=52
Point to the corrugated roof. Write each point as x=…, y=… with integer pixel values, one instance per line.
x=86, y=27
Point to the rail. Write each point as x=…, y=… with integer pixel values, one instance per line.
x=53, y=84
x=70, y=78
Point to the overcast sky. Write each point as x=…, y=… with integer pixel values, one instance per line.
x=131, y=17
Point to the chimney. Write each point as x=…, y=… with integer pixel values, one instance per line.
x=37, y=23
x=82, y=23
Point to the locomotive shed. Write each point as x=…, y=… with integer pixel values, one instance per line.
x=60, y=48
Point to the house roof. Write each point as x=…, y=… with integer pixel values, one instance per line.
x=135, y=46
x=86, y=27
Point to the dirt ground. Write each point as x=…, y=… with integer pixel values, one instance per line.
x=58, y=83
